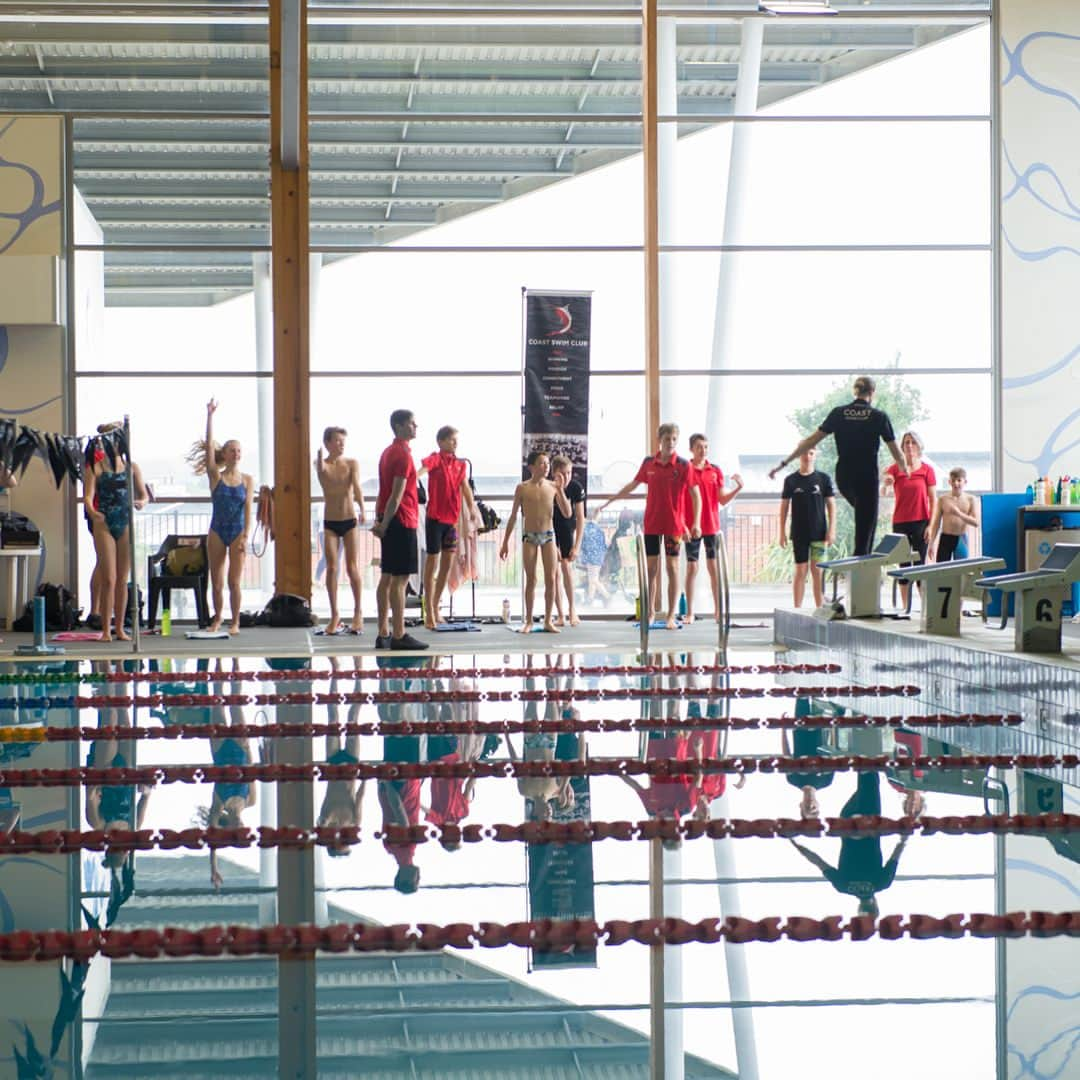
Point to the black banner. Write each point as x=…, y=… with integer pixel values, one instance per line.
x=556, y=377
x=560, y=876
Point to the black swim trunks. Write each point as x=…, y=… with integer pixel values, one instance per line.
x=339, y=528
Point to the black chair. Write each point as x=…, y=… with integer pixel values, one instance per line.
x=160, y=581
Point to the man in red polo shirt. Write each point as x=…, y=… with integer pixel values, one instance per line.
x=710, y=485
x=397, y=515
x=671, y=500
x=447, y=486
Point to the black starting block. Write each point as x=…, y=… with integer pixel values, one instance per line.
x=1040, y=595
x=945, y=585
x=864, y=590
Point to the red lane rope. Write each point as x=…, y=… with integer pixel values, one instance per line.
x=65, y=841
x=540, y=935
x=588, y=670
x=628, y=693
x=30, y=733
x=195, y=774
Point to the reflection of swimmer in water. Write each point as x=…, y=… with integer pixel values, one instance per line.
x=231, y=797
x=860, y=871
x=343, y=802
x=112, y=807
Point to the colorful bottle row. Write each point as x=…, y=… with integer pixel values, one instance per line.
x=1045, y=492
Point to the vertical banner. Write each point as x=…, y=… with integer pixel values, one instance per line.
x=555, y=377
x=560, y=876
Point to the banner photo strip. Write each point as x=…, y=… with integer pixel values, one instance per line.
x=555, y=391
x=560, y=877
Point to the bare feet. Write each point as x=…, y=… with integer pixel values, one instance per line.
x=688, y=617
x=357, y=625
x=525, y=627
x=575, y=618
x=215, y=624
x=332, y=626
x=234, y=629
x=671, y=623
x=429, y=623
x=559, y=621
x=121, y=635
x=550, y=627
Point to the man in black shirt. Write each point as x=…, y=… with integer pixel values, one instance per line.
x=857, y=426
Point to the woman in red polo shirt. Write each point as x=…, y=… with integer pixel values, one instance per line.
x=671, y=500
x=915, y=498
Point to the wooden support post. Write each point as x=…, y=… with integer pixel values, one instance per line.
x=650, y=157
x=289, y=183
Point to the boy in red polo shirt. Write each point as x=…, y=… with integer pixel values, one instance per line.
x=447, y=487
x=672, y=498
x=710, y=484
x=397, y=515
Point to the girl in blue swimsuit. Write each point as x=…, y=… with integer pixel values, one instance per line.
x=230, y=495
x=105, y=497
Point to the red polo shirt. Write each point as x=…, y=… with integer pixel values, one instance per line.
x=409, y=790
x=448, y=803
x=445, y=475
x=397, y=461
x=669, y=491
x=912, y=492
x=710, y=482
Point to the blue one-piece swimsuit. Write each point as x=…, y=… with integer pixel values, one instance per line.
x=228, y=501
x=112, y=501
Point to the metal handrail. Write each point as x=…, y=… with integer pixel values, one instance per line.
x=724, y=622
x=644, y=608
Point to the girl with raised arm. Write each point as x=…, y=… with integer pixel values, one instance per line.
x=231, y=494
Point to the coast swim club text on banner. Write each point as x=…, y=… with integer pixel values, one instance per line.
x=556, y=377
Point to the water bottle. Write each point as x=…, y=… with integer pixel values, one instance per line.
x=1030, y=493
x=682, y=604
x=166, y=621
x=506, y=611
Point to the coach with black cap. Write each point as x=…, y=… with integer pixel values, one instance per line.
x=857, y=426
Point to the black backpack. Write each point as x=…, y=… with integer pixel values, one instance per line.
x=60, y=610
x=286, y=610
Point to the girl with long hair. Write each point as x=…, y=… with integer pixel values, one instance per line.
x=231, y=494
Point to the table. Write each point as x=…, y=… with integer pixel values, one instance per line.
x=14, y=578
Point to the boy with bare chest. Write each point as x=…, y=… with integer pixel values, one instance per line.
x=954, y=512
x=339, y=478
x=535, y=498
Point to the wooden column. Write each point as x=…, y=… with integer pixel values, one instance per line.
x=289, y=183
x=650, y=157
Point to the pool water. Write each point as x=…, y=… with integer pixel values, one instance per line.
x=781, y=1008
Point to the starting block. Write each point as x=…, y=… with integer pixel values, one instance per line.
x=864, y=591
x=945, y=585
x=1040, y=596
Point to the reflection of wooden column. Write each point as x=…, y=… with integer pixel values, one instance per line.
x=289, y=265
x=650, y=157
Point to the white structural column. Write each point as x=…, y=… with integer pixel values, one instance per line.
x=264, y=388
x=673, y=969
x=667, y=92
x=735, y=955
x=718, y=416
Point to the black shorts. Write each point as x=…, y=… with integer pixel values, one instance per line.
x=398, y=556
x=693, y=547
x=564, y=540
x=439, y=536
x=915, y=531
x=804, y=549
x=652, y=545
x=339, y=528
x=946, y=547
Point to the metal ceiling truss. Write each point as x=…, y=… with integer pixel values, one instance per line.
x=475, y=112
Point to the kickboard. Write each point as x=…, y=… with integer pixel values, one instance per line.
x=207, y=635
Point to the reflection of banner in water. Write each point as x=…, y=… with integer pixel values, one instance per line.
x=560, y=876
x=555, y=377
